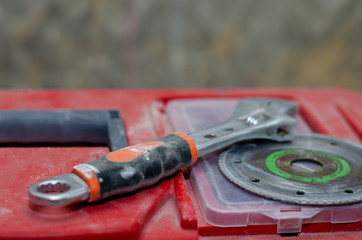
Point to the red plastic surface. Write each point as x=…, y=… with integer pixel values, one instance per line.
x=168, y=210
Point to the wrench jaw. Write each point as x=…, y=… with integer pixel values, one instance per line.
x=58, y=194
x=268, y=118
x=249, y=106
x=280, y=129
x=255, y=118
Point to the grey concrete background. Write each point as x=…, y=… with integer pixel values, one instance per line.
x=180, y=43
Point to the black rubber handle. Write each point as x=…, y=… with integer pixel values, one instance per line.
x=137, y=166
x=43, y=127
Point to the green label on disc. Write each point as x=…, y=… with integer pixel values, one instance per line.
x=343, y=167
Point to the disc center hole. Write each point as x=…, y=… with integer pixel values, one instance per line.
x=306, y=165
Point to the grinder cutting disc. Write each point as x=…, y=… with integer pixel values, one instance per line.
x=311, y=170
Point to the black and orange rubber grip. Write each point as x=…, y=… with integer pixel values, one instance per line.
x=137, y=166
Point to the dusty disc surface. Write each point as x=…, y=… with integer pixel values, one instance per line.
x=311, y=170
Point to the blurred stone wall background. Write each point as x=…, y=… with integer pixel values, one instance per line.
x=180, y=43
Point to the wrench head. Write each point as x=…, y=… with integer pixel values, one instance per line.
x=253, y=118
x=248, y=106
x=58, y=192
x=270, y=118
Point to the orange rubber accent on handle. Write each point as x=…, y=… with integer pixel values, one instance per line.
x=129, y=153
x=91, y=179
x=191, y=143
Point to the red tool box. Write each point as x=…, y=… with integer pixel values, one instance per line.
x=173, y=208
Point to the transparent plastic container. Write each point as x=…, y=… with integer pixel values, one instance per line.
x=225, y=204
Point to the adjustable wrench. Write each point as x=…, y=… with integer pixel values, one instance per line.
x=142, y=165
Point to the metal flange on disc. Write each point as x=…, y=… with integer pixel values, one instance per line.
x=310, y=170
